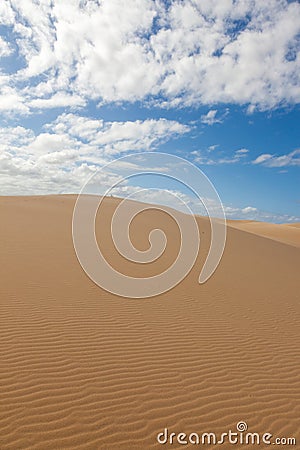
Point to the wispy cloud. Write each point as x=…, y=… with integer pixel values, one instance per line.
x=210, y=118
x=211, y=148
x=268, y=160
x=203, y=159
x=242, y=152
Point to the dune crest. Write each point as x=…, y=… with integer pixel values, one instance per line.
x=285, y=233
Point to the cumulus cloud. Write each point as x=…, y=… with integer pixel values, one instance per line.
x=5, y=49
x=117, y=137
x=268, y=160
x=171, y=53
x=11, y=101
x=71, y=148
x=58, y=100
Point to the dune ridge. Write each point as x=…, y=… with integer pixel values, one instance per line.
x=285, y=233
x=84, y=369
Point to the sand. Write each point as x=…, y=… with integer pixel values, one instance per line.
x=286, y=233
x=84, y=369
x=295, y=224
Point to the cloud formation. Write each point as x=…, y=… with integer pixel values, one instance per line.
x=72, y=147
x=268, y=160
x=187, y=52
x=210, y=118
x=209, y=160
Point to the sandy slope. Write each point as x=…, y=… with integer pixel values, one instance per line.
x=286, y=233
x=81, y=368
x=296, y=224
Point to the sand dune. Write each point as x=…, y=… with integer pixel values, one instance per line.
x=286, y=233
x=296, y=224
x=84, y=369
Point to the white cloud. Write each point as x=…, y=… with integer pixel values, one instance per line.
x=262, y=158
x=237, y=157
x=211, y=148
x=10, y=136
x=173, y=54
x=210, y=118
x=69, y=149
x=268, y=160
x=252, y=213
x=242, y=151
x=11, y=101
x=249, y=209
x=5, y=49
x=58, y=100
x=62, y=157
x=118, y=137
x=174, y=198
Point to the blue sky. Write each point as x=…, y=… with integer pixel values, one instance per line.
x=217, y=83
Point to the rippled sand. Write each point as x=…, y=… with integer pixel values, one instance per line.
x=83, y=369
